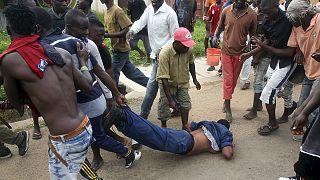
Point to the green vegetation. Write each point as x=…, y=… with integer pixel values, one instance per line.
x=199, y=51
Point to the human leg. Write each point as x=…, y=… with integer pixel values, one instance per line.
x=72, y=151
x=149, y=134
x=117, y=64
x=21, y=139
x=227, y=68
x=151, y=92
x=102, y=140
x=132, y=72
x=110, y=144
x=289, y=104
x=258, y=84
x=245, y=74
x=276, y=78
x=36, y=127
x=163, y=108
x=185, y=103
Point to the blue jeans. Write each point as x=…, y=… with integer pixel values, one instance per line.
x=151, y=92
x=74, y=151
x=102, y=140
x=307, y=86
x=153, y=136
x=122, y=62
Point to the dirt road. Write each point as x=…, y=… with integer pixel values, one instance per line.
x=255, y=157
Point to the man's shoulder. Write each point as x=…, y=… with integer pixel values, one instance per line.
x=167, y=49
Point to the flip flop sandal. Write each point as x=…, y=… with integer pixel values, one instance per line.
x=36, y=135
x=266, y=130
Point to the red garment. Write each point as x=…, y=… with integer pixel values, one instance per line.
x=31, y=51
x=231, y=68
x=214, y=15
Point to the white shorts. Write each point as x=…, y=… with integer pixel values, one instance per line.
x=275, y=79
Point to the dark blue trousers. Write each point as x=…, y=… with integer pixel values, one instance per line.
x=153, y=136
x=102, y=140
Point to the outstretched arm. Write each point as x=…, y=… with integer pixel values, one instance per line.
x=108, y=81
x=120, y=34
x=227, y=152
x=288, y=52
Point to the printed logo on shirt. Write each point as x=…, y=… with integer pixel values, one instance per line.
x=42, y=65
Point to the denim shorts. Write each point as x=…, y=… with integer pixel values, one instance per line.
x=74, y=151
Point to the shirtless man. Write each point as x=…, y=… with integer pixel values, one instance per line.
x=49, y=84
x=205, y=136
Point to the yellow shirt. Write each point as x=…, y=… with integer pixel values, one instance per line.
x=115, y=20
x=309, y=43
x=174, y=67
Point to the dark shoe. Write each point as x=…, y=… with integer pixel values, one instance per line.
x=211, y=68
x=135, y=145
x=132, y=157
x=5, y=153
x=114, y=116
x=24, y=146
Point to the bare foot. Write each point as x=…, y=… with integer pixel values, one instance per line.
x=251, y=115
x=97, y=163
x=229, y=117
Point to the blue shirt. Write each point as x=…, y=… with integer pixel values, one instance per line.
x=223, y=137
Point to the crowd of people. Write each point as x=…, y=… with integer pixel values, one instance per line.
x=62, y=50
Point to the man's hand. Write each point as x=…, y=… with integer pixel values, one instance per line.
x=197, y=84
x=257, y=41
x=173, y=105
x=298, y=124
x=130, y=34
x=244, y=57
x=83, y=53
x=298, y=57
x=121, y=100
x=316, y=56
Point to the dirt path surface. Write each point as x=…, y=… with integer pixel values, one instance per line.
x=255, y=157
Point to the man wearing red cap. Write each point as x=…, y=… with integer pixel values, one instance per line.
x=176, y=60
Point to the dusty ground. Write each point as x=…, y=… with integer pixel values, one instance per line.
x=255, y=157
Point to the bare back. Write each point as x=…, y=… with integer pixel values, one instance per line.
x=53, y=95
x=201, y=142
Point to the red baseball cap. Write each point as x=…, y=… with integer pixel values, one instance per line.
x=184, y=36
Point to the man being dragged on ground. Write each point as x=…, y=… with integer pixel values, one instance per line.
x=204, y=136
